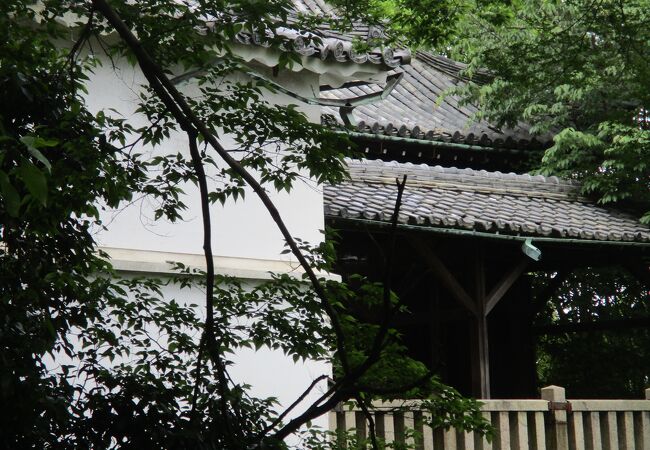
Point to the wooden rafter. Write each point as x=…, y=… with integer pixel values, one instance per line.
x=444, y=275
x=504, y=285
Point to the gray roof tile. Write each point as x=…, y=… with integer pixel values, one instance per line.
x=477, y=200
x=416, y=109
x=335, y=45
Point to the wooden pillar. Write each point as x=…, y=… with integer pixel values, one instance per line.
x=478, y=305
x=484, y=357
x=434, y=329
x=481, y=348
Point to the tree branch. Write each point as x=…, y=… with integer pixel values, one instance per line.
x=190, y=123
x=83, y=37
x=371, y=422
x=294, y=404
x=188, y=120
x=211, y=343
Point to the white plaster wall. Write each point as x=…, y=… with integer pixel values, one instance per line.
x=243, y=231
x=269, y=372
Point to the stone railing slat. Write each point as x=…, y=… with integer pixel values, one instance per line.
x=519, y=430
x=642, y=430
x=610, y=431
x=485, y=444
x=468, y=441
x=502, y=435
x=409, y=424
x=577, y=433
x=450, y=439
x=427, y=433
x=627, y=431
x=539, y=438
x=593, y=431
x=389, y=428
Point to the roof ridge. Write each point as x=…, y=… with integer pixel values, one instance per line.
x=378, y=171
x=432, y=171
x=415, y=109
x=451, y=66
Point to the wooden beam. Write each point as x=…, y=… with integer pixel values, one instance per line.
x=444, y=275
x=504, y=284
x=600, y=325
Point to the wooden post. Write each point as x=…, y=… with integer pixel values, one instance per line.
x=481, y=355
x=558, y=430
x=484, y=356
x=479, y=305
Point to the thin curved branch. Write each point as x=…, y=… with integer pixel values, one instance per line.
x=190, y=123
x=294, y=404
x=188, y=120
x=210, y=339
x=371, y=423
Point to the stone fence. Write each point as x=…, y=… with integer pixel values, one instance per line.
x=549, y=423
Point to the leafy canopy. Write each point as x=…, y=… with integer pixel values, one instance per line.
x=577, y=70
x=92, y=359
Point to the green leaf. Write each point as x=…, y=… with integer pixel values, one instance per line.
x=33, y=143
x=34, y=180
x=9, y=195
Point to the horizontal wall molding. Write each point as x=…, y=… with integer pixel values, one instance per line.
x=156, y=262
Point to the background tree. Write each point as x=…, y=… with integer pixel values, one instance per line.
x=140, y=370
x=602, y=316
x=579, y=71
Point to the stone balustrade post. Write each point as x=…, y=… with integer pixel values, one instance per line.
x=557, y=432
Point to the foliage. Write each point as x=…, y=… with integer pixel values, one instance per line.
x=428, y=24
x=55, y=167
x=612, y=363
x=577, y=70
x=90, y=360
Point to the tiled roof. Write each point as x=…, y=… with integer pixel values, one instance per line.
x=359, y=30
x=414, y=109
x=333, y=45
x=482, y=201
x=315, y=7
